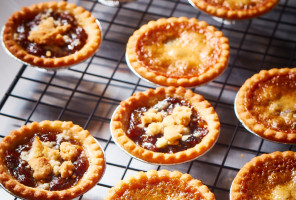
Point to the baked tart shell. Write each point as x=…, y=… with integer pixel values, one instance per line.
x=153, y=177
x=90, y=146
x=83, y=18
x=256, y=166
x=121, y=119
x=235, y=14
x=185, y=81
x=247, y=118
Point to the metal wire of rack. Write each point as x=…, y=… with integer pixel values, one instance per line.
x=88, y=93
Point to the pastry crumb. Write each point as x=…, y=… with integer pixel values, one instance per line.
x=69, y=151
x=182, y=115
x=48, y=53
x=41, y=167
x=173, y=133
x=48, y=33
x=161, y=142
x=154, y=129
x=151, y=116
x=66, y=169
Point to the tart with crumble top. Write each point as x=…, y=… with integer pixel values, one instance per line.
x=266, y=104
x=165, y=125
x=233, y=9
x=267, y=177
x=178, y=52
x=50, y=160
x=52, y=34
x=160, y=185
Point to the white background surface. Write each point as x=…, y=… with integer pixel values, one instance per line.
x=9, y=67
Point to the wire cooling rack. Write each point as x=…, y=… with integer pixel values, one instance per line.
x=88, y=93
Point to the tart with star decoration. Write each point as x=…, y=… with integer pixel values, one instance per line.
x=51, y=35
x=50, y=160
x=165, y=125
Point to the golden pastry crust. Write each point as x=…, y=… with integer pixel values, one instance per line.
x=90, y=147
x=178, y=52
x=160, y=185
x=83, y=18
x=269, y=110
x=121, y=120
x=235, y=10
x=269, y=177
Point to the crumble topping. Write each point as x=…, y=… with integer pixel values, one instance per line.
x=67, y=169
x=161, y=105
x=182, y=115
x=170, y=125
x=51, y=34
x=155, y=128
x=44, y=186
x=51, y=154
x=151, y=116
x=69, y=151
x=161, y=142
x=43, y=160
x=41, y=167
x=48, y=33
x=51, y=157
x=173, y=133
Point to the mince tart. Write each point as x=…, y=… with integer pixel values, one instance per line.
x=165, y=125
x=52, y=34
x=50, y=160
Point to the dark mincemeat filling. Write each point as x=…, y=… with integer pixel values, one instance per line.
x=69, y=47
x=138, y=135
x=21, y=170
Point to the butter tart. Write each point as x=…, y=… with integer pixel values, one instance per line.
x=165, y=126
x=234, y=9
x=160, y=185
x=178, y=52
x=52, y=34
x=266, y=104
x=50, y=160
x=267, y=177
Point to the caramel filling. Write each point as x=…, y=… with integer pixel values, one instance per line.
x=272, y=180
x=179, y=50
x=237, y=5
x=286, y=191
x=273, y=103
x=162, y=190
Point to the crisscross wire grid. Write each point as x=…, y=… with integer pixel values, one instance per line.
x=89, y=92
